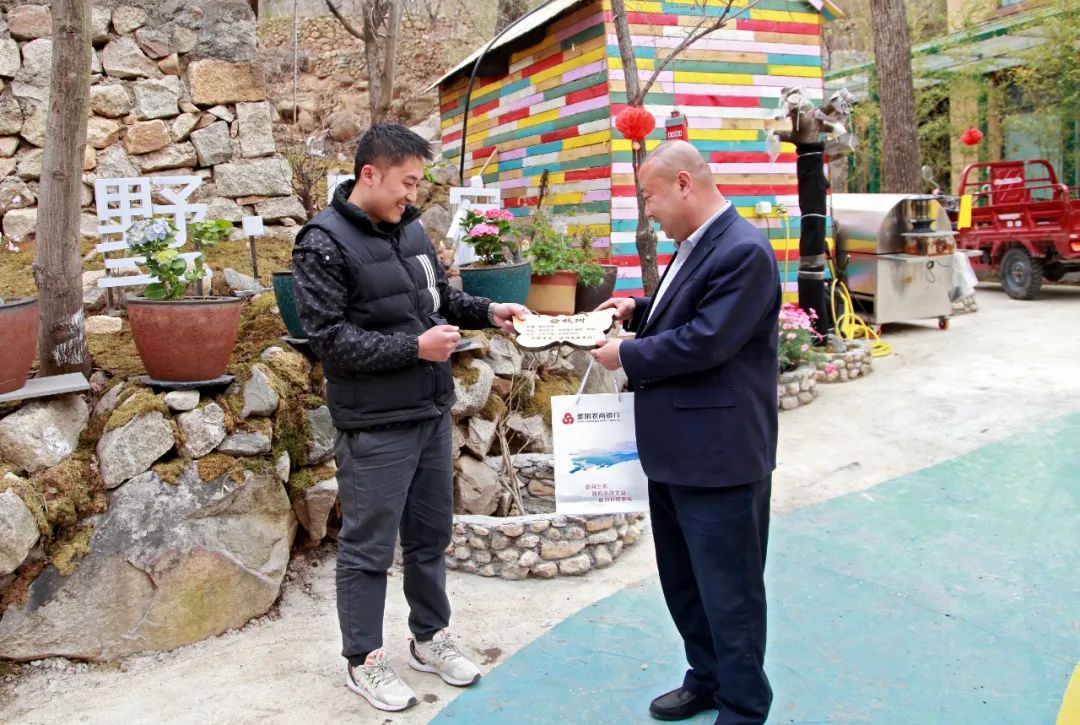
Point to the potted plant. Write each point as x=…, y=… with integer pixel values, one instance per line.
x=180, y=339
x=500, y=274
x=554, y=277
x=18, y=340
x=596, y=280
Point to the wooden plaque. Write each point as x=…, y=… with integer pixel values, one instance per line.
x=583, y=331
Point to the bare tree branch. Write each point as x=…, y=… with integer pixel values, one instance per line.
x=699, y=32
x=345, y=23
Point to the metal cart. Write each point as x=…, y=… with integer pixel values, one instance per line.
x=895, y=253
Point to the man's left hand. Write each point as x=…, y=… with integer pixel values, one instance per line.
x=607, y=353
x=505, y=312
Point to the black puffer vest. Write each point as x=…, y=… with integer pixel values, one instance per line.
x=392, y=286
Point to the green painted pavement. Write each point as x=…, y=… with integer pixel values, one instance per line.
x=949, y=595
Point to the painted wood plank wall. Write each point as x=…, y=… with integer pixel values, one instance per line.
x=555, y=110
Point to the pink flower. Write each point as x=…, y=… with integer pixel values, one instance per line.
x=499, y=215
x=482, y=230
x=830, y=369
x=804, y=347
x=791, y=336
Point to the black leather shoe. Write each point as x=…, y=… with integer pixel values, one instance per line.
x=680, y=704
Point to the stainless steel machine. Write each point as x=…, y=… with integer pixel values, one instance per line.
x=899, y=255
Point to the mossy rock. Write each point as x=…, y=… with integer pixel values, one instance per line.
x=292, y=430
x=60, y=496
x=67, y=551
x=116, y=353
x=305, y=478
x=140, y=402
x=257, y=425
x=292, y=369
x=260, y=327
x=494, y=409
x=16, y=593
x=172, y=470
x=546, y=387
x=463, y=370
x=217, y=465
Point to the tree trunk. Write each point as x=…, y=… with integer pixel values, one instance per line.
x=645, y=238
x=389, y=56
x=901, y=157
x=381, y=21
x=509, y=11
x=57, y=260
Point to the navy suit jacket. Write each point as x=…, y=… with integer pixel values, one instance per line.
x=703, y=366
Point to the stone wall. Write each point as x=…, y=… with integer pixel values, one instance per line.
x=175, y=90
x=840, y=367
x=797, y=387
x=543, y=546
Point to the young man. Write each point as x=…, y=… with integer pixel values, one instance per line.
x=377, y=309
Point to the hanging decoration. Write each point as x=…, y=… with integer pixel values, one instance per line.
x=635, y=123
x=971, y=137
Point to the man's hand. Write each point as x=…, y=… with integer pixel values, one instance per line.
x=505, y=312
x=437, y=343
x=607, y=351
x=624, y=307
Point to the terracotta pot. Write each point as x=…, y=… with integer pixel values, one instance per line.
x=553, y=294
x=185, y=340
x=18, y=341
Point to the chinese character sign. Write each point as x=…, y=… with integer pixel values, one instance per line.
x=597, y=470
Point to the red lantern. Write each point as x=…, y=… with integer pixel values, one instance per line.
x=971, y=137
x=635, y=123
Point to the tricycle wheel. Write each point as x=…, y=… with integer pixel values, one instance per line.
x=1021, y=274
x=943, y=323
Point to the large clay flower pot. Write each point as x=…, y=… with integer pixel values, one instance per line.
x=18, y=341
x=553, y=294
x=506, y=283
x=286, y=304
x=589, y=297
x=185, y=340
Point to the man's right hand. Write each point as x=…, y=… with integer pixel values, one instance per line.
x=624, y=307
x=437, y=343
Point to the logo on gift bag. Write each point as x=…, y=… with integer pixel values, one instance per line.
x=568, y=419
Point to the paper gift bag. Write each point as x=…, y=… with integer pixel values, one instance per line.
x=597, y=470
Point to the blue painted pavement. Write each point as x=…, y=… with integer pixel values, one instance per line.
x=948, y=595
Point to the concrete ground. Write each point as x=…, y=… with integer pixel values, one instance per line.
x=1007, y=374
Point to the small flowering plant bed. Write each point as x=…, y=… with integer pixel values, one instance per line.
x=797, y=337
x=488, y=233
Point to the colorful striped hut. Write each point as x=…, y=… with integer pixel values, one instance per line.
x=546, y=94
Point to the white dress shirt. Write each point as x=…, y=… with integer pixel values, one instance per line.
x=683, y=252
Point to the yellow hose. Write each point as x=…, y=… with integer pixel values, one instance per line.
x=850, y=326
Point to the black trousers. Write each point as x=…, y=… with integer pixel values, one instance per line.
x=710, y=550
x=390, y=479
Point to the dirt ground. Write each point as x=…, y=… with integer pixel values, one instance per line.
x=1003, y=369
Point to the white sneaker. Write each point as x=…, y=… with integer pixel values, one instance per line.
x=442, y=657
x=376, y=682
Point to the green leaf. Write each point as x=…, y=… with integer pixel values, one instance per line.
x=154, y=291
x=178, y=266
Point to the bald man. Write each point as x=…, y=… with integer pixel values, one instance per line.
x=703, y=369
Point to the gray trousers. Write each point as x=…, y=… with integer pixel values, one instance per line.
x=390, y=479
